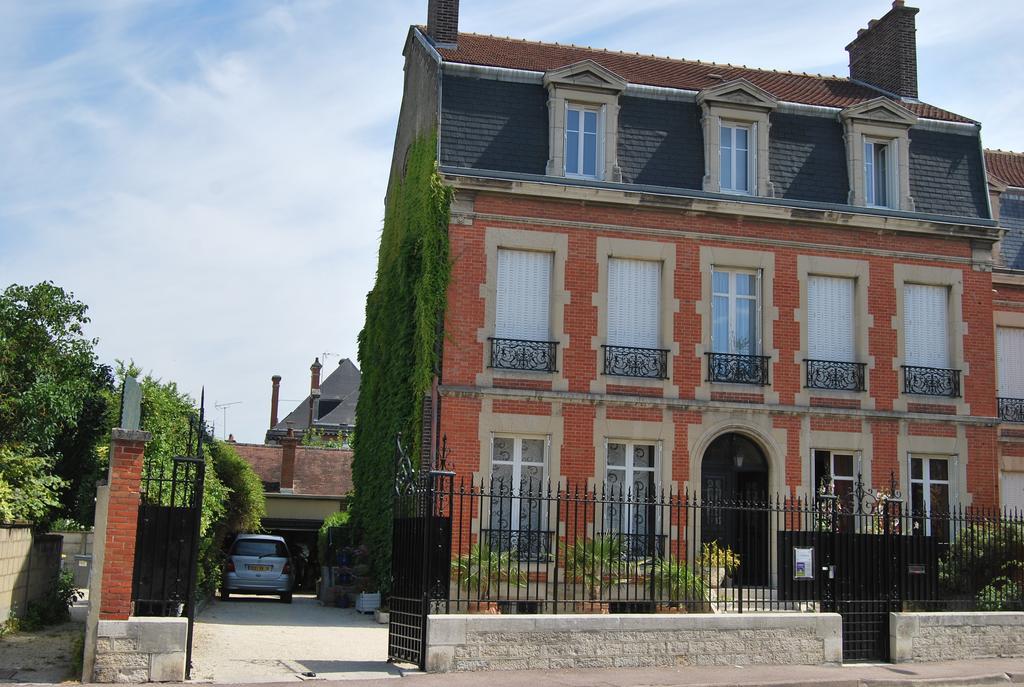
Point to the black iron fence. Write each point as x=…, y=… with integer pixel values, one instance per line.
x=601, y=550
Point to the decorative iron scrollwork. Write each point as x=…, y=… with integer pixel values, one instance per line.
x=405, y=477
x=1011, y=409
x=835, y=375
x=524, y=545
x=738, y=369
x=931, y=381
x=627, y=361
x=520, y=354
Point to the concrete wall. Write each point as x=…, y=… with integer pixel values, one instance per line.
x=140, y=650
x=494, y=642
x=28, y=565
x=917, y=637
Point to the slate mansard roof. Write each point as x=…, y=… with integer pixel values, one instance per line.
x=339, y=392
x=1008, y=168
x=501, y=125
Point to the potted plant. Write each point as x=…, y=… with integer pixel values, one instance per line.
x=680, y=590
x=592, y=563
x=482, y=570
x=716, y=562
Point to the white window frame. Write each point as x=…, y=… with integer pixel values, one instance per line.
x=751, y=129
x=832, y=453
x=517, y=471
x=891, y=172
x=599, y=111
x=733, y=297
x=629, y=470
x=926, y=482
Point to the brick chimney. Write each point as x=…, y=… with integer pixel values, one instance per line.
x=884, y=55
x=314, y=390
x=443, y=22
x=275, y=394
x=288, y=444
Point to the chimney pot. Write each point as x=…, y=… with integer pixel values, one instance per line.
x=288, y=445
x=275, y=393
x=884, y=55
x=443, y=22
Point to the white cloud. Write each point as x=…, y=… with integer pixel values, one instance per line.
x=209, y=177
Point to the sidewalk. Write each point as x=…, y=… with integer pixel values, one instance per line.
x=978, y=673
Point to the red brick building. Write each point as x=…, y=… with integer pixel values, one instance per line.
x=686, y=275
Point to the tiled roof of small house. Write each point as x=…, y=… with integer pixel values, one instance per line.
x=651, y=70
x=318, y=471
x=1006, y=166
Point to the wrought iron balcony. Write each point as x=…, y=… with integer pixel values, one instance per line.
x=835, y=375
x=931, y=381
x=524, y=545
x=626, y=361
x=738, y=369
x=1011, y=409
x=520, y=354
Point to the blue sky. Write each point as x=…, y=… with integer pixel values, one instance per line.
x=209, y=176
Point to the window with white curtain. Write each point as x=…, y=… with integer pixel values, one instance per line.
x=926, y=325
x=631, y=483
x=518, y=473
x=522, y=307
x=880, y=173
x=1010, y=360
x=735, y=150
x=634, y=303
x=582, y=141
x=830, y=319
x=735, y=311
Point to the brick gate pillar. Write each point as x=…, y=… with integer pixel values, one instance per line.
x=124, y=482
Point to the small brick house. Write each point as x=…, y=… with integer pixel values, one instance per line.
x=738, y=282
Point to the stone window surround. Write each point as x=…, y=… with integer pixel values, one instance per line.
x=588, y=84
x=521, y=239
x=737, y=258
x=636, y=249
x=859, y=271
x=878, y=119
x=491, y=423
x=860, y=444
x=955, y=449
x=933, y=276
x=736, y=102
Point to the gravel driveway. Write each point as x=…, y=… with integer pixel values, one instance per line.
x=260, y=639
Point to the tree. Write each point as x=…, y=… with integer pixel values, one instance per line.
x=28, y=491
x=53, y=392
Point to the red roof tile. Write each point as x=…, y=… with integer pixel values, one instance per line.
x=808, y=89
x=318, y=471
x=1006, y=166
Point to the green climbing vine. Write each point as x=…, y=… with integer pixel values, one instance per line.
x=398, y=347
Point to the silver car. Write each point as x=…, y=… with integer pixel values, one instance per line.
x=258, y=564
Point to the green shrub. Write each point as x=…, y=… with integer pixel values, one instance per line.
x=1001, y=594
x=979, y=555
x=675, y=582
x=52, y=608
x=484, y=569
x=340, y=518
x=592, y=562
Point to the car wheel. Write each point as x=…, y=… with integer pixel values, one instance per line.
x=286, y=598
x=225, y=595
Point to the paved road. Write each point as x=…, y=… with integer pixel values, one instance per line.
x=259, y=639
x=981, y=673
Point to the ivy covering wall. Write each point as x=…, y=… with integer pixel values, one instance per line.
x=398, y=347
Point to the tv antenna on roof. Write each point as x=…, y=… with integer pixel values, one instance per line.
x=323, y=356
x=224, y=407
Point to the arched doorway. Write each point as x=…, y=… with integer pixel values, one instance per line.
x=734, y=477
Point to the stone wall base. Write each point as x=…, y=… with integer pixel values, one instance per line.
x=140, y=650
x=493, y=642
x=915, y=637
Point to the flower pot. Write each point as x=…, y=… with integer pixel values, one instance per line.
x=483, y=607
x=714, y=576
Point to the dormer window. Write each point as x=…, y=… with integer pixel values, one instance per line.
x=582, y=137
x=736, y=174
x=877, y=146
x=879, y=173
x=583, y=121
x=735, y=119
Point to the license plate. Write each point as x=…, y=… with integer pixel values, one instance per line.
x=258, y=568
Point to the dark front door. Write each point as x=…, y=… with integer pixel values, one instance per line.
x=734, y=478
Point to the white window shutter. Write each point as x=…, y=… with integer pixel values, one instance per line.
x=522, y=307
x=1010, y=359
x=926, y=325
x=830, y=319
x=633, y=303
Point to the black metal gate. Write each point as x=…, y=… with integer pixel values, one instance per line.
x=167, y=541
x=420, y=556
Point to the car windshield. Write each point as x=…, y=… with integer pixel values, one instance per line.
x=260, y=547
